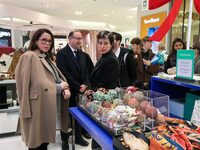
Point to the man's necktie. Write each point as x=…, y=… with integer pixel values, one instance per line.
x=76, y=55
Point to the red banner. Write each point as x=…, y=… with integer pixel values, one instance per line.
x=153, y=4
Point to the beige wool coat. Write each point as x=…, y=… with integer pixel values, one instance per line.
x=36, y=90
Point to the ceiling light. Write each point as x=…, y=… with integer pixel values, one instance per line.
x=129, y=17
x=15, y=20
x=87, y=24
x=78, y=13
x=5, y=19
x=105, y=15
x=133, y=9
x=21, y=20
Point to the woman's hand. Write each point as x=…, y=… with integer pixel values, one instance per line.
x=64, y=85
x=66, y=94
x=83, y=88
x=147, y=62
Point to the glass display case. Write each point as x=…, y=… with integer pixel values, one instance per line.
x=119, y=109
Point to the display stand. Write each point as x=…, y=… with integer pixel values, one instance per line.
x=176, y=89
x=100, y=135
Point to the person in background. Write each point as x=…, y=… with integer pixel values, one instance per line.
x=39, y=85
x=26, y=45
x=137, y=53
x=196, y=47
x=128, y=71
x=150, y=69
x=106, y=70
x=16, y=56
x=73, y=64
x=162, y=50
x=171, y=59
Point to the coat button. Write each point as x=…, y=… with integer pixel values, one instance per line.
x=46, y=90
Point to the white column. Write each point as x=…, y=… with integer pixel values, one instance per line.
x=12, y=33
x=189, y=25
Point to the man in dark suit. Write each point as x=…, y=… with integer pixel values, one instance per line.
x=73, y=64
x=128, y=70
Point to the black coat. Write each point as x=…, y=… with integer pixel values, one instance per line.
x=89, y=62
x=128, y=69
x=106, y=72
x=76, y=72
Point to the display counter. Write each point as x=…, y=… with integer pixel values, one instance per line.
x=9, y=112
x=101, y=136
x=7, y=87
x=173, y=88
x=177, y=89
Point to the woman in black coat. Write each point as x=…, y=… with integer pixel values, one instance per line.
x=106, y=71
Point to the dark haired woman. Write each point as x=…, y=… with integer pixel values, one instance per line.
x=106, y=71
x=39, y=84
x=171, y=59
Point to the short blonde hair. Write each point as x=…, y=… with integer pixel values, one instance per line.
x=161, y=46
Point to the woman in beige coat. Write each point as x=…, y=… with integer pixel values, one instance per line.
x=39, y=84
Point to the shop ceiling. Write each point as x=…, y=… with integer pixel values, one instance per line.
x=119, y=15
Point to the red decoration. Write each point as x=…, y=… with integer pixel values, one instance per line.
x=197, y=5
x=166, y=25
x=153, y=4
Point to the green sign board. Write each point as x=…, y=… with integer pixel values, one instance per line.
x=185, y=64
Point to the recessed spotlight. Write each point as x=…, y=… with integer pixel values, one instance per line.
x=78, y=13
x=105, y=15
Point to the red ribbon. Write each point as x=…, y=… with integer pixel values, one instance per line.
x=166, y=25
x=197, y=5
x=153, y=4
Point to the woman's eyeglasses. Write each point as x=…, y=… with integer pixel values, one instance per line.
x=45, y=41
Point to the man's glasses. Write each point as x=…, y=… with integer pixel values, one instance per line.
x=45, y=41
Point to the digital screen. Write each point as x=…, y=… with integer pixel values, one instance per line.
x=154, y=47
x=3, y=42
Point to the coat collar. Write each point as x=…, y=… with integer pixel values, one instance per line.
x=42, y=56
x=39, y=54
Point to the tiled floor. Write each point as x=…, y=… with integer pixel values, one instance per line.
x=8, y=123
x=15, y=143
